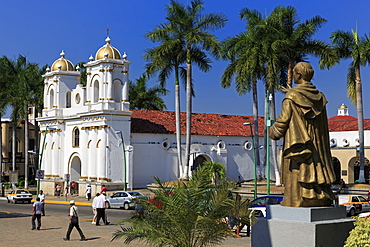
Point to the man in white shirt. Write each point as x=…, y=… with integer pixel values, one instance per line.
x=41, y=195
x=95, y=213
x=100, y=208
x=73, y=222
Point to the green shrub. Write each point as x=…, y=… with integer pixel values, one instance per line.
x=7, y=185
x=360, y=235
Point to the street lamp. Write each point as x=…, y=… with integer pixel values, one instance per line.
x=254, y=161
x=124, y=159
x=41, y=155
x=268, y=124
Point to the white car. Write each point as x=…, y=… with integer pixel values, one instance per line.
x=354, y=204
x=20, y=195
x=124, y=199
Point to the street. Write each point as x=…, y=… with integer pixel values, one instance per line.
x=15, y=227
x=115, y=215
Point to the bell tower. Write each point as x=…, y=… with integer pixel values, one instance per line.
x=58, y=83
x=107, y=79
x=343, y=110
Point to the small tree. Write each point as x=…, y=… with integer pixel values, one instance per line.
x=187, y=214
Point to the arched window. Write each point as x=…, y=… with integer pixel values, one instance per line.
x=117, y=91
x=51, y=102
x=96, y=91
x=76, y=137
x=68, y=99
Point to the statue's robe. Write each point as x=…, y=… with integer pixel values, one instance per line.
x=307, y=168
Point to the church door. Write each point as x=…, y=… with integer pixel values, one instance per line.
x=75, y=169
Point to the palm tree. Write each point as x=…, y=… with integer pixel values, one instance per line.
x=187, y=214
x=293, y=40
x=18, y=75
x=145, y=98
x=247, y=64
x=83, y=77
x=166, y=59
x=189, y=27
x=347, y=45
x=3, y=106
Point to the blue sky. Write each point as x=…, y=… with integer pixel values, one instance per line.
x=41, y=29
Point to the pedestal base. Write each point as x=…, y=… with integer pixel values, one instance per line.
x=290, y=226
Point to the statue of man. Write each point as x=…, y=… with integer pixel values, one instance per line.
x=307, y=168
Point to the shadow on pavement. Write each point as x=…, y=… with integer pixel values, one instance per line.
x=13, y=215
x=46, y=229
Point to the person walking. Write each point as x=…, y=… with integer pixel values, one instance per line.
x=73, y=222
x=88, y=192
x=41, y=195
x=57, y=190
x=103, y=189
x=100, y=208
x=66, y=191
x=36, y=214
x=94, y=204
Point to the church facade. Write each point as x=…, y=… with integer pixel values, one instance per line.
x=90, y=136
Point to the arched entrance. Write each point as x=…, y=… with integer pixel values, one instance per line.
x=356, y=169
x=337, y=170
x=199, y=160
x=75, y=168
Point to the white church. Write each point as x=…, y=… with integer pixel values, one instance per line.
x=90, y=136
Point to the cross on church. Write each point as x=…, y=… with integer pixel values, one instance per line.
x=107, y=31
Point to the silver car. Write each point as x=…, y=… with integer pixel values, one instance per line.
x=124, y=199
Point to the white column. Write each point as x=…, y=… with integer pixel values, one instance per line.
x=101, y=83
x=93, y=157
x=102, y=166
x=84, y=150
x=109, y=85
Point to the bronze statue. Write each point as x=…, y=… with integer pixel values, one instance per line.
x=307, y=169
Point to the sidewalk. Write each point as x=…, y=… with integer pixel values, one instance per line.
x=16, y=230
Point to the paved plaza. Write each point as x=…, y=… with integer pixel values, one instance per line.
x=16, y=231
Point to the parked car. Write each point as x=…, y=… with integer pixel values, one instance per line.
x=124, y=199
x=259, y=204
x=21, y=195
x=354, y=204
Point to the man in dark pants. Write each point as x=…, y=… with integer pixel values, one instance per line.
x=36, y=214
x=73, y=222
x=100, y=209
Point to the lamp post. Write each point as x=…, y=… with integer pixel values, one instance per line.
x=124, y=159
x=41, y=155
x=268, y=124
x=254, y=161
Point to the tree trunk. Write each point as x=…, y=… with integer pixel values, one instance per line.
x=265, y=157
x=188, y=115
x=178, y=124
x=360, y=119
x=290, y=73
x=255, y=124
x=1, y=149
x=26, y=144
x=14, y=142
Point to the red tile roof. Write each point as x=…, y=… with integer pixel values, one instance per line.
x=163, y=122
x=346, y=123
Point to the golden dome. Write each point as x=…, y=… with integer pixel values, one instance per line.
x=62, y=64
x=343, y=106
x=107, y=51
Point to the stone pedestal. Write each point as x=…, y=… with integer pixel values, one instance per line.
x=291, y=226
